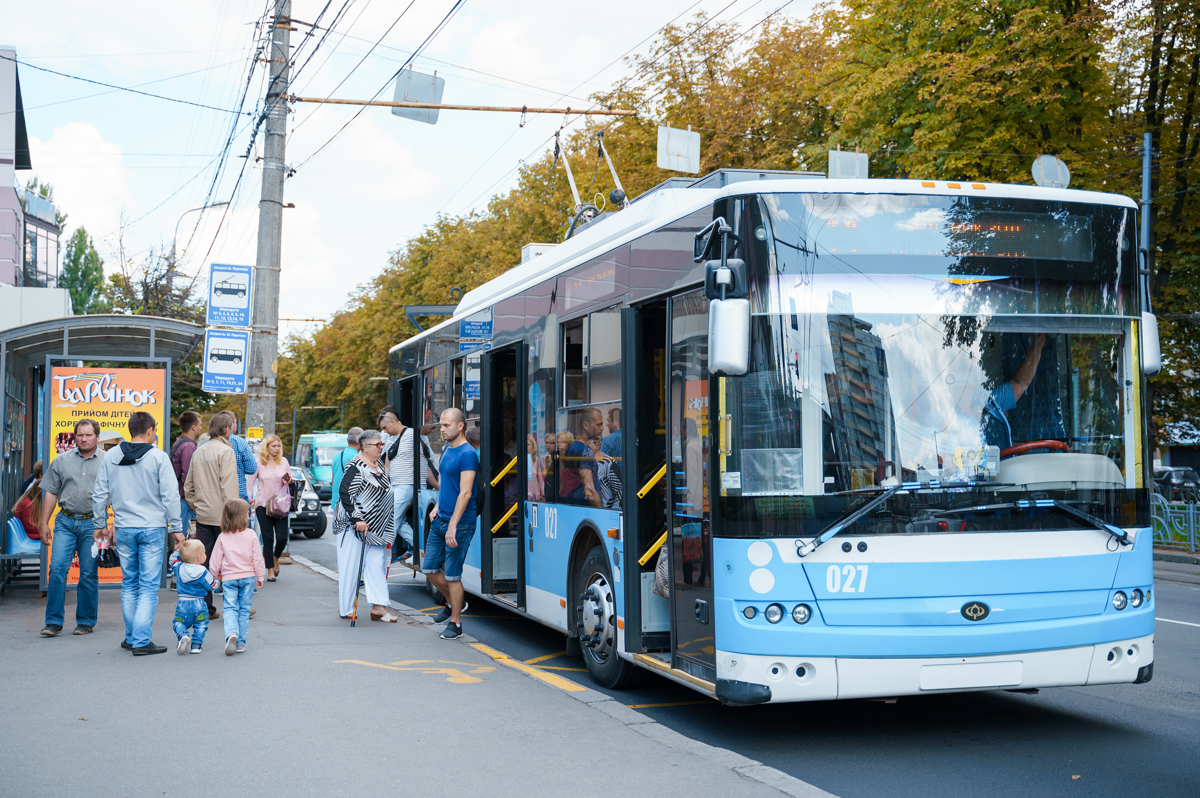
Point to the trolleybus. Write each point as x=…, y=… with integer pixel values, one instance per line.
x=784, y=438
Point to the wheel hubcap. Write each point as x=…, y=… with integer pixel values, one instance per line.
x=597, y=633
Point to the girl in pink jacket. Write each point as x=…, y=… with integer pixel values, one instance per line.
x=237, y=561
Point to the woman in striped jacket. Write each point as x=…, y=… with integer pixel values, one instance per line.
x=364, y=526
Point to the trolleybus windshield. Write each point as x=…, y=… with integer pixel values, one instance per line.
x=984, y=348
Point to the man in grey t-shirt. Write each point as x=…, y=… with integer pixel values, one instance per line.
x=68, y=484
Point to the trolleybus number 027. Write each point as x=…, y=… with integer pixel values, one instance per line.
x=834, y=583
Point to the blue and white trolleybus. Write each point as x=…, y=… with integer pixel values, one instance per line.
x=875, y=437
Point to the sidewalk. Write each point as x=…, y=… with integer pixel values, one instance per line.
x=316, y=708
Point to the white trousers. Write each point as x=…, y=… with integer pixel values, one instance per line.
x=374, y=573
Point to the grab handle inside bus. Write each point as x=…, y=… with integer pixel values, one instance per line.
x=650, y=551
x=504, y=471
x=659, y=474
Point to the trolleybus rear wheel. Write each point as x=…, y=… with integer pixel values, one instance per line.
x=596, y=623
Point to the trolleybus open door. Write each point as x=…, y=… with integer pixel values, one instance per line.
x=405, y=399
x=644, y=475
x=503, y=478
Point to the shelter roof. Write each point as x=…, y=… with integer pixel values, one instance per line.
x=101, y=336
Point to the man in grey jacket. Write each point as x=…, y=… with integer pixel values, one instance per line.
x=136, y=478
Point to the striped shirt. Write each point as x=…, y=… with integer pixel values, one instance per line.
x=401, y=469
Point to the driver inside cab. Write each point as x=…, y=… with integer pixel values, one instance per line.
x=1004, y=397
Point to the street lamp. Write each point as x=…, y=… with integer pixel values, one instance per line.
x=175, y=238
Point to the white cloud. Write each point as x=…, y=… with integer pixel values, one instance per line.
x=87, y=174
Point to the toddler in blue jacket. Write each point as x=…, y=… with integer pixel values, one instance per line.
x=193, y=582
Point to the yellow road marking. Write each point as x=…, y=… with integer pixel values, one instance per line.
x=549, y=678
x=676, y=704
x=453, y=675
x=560, y=668
x=430, y=609
x=536, y=660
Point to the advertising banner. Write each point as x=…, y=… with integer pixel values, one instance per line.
x=109, y=396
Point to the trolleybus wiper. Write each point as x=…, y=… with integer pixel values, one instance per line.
x=1077, y=514
x=804, y=549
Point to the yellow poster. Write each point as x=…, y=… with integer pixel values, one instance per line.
x=108, y=396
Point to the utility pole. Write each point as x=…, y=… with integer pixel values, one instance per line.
x=264, y=347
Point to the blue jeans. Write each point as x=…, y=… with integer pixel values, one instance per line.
x=439, y=556
x=186, y=513
x=72, y=536
x=238, y=595
x=141, y=552
x=191, y=613
x=402, y=496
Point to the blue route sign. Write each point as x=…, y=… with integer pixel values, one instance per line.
x=477, y=325
x=226, y=357
x=229, y=295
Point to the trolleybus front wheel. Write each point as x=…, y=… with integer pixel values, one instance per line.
x=596, y=624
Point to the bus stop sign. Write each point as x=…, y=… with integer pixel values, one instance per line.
x=229, y=295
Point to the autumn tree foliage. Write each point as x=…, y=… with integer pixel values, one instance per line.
x=937, y=89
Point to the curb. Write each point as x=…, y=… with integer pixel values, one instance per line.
x=1187, y=559
x=642, y=724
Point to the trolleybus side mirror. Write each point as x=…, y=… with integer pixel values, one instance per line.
x=729, y=337
x=1151, y=354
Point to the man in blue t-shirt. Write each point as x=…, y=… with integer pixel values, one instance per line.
x=453, y=520
x=1005, y=396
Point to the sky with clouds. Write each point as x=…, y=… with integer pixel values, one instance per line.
x=114, y=156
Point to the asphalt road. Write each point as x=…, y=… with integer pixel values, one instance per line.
x=1122, y=740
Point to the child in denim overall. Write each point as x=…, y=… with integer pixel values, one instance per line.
x=193, y=581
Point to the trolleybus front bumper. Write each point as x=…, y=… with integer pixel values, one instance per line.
x=752, y=679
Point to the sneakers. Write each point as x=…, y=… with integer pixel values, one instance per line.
x=125, y=644
x=197, y=649
x=444, y=615
x=82, y=630
x=185, y=645
x=52, y=630
x=453, y=631
x=240, y=648
x=148, y=649
x=231, y=645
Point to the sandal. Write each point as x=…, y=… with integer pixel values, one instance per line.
x=386, y=618
x=270, y=579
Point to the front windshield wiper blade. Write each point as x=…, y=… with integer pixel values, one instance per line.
x=805, y=549
x=1077, y=514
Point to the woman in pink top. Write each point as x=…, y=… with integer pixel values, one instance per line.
x=271, y=480
x=238, y=562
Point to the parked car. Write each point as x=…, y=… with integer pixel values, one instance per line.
x=1177, y=483
x=307, y=516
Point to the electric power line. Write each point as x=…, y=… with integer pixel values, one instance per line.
x=120, y=88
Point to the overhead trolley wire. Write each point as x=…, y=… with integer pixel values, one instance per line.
x=122, y=88
x=437, y=29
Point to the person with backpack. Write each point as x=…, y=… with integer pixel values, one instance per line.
x=399, y=451
x=181, y=460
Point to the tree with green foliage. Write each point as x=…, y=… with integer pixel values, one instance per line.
x=83, y=275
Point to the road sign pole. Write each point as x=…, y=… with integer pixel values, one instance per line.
x=260, y=399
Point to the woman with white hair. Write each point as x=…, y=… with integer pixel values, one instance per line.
x=364, y=507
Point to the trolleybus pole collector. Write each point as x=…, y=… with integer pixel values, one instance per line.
x=886, y=437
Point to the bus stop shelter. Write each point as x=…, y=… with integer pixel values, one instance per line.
x=25, y=355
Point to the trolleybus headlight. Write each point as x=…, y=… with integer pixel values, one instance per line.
x=774, y=613
x=750, y=612
x=1120, y=601
x=1136, y=598
x=801, y=613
